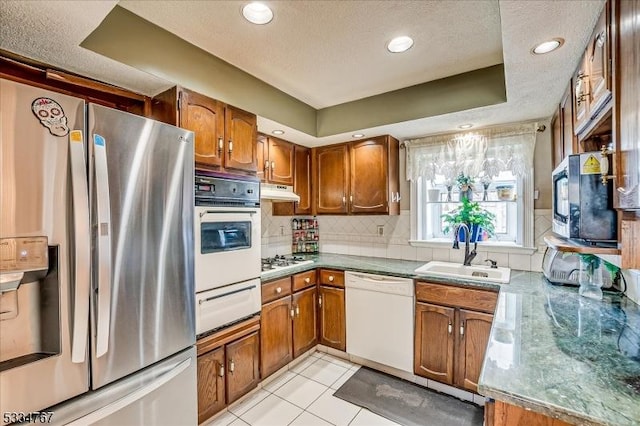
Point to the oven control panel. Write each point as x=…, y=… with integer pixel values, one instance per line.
x=218, y=191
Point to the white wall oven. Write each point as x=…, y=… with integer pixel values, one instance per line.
x=227, y=250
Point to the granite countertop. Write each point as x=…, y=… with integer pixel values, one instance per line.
x=550, y=350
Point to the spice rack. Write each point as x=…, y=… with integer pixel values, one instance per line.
x=305, y=236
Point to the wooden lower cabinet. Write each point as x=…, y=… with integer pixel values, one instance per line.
x=242, y=366
x=433, y=357
x=211, y=389
x=473, y=330
x=332, y=317
x=305, y=322
x=227, y=366
x=450, y=341
x=500, y=413
x=275, y=335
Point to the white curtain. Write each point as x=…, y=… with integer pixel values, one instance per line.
x=483, y=153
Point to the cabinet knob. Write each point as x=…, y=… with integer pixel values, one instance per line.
x=220, y=144
x=221, y=371
x=307, y=280
x=230, y=146
x=393, y=197
x=461, y=330
x=298, y=311
x=273, y=165
x=232, y=366
x=279, y=290
x=292, y=313
x=319, y=300
x=331, y=278
x=450, y=328
x=266, y=166
x=344, y=200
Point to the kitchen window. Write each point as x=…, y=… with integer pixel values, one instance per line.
x=500, y=162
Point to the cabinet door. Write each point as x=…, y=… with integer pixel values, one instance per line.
x=581, y=96
x=262, y=157
x=369, y=178
x=240, y=137
x=281, y=161
x=275, y=335
x=569, y=142
x=627, y=124
x=243, y=371
x=332, y=179
x=433, y=345
x=557, y=147
x=598, y=55
x=510, y=415
x=210, y=384
x=332, y=318
x=205, y=117
x=305, y=322
x=473, y=334
x=302, y=181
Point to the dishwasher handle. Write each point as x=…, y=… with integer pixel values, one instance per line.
x=380, y=279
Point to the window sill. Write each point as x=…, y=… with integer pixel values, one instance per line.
x=493, y=246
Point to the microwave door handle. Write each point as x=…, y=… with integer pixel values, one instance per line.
x=82, y=235
x=104, y=246
x=243, y=212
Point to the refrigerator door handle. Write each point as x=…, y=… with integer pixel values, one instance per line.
x=104, y=246
x=82, y=234
x=119, y=404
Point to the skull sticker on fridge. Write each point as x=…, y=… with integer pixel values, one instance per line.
x=51, y=116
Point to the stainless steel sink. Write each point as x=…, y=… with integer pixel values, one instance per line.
x=473, y=272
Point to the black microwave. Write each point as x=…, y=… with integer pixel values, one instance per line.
x=582, y=204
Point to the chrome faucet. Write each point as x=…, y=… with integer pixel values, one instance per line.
x=468, y=256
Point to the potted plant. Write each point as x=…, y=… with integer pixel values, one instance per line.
x=465, y=185
x=477, y=219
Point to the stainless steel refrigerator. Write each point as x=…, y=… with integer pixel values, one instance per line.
x=97, y=304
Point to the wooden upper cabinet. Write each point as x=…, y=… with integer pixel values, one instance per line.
x=205, y=118
x=240, y=137
x=211, y=389
x=369, y=176
x=224, y=136
x=581, y=95
x=473, y=329
x=599, y=56
x=305, y=321
x=243, y=367
x=332, y=177
x=262, y=157
x=281, y=162
x=302, y=180
x=332, y=318
x=434, y=342
x=627, y=116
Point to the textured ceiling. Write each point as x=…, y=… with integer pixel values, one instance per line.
x=328, y=52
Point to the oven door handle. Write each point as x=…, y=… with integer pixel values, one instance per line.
x=240, y=290
x=206, y=212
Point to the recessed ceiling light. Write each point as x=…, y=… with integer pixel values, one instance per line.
x=400, y=44
x=278, y=132
x=465, y=126
x=257, y=13
x=547, y=46
x=357, y=135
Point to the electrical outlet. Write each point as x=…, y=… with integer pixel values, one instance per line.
x=380, y=230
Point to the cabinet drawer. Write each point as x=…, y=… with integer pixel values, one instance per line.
x=304, y=280
x=332, y=278
x=275, y=289
x=469, y=298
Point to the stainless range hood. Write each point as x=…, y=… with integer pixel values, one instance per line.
x=269, y=191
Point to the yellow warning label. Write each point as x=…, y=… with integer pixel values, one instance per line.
x=591, y=166
x=75, y=136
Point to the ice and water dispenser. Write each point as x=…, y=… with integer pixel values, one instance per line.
x=29, y=301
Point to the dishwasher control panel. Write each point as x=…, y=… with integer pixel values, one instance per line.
x=379, y=283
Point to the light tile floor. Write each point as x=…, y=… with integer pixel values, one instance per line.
x=302, y=396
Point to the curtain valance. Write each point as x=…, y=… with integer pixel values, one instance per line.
x=482, y=153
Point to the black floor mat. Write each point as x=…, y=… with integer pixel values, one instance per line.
x=406, y=403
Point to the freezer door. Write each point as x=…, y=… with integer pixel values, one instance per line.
x=43, y=196
x=164, y=394
x=142, y=218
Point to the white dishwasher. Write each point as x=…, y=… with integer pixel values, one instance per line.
x=380, y=319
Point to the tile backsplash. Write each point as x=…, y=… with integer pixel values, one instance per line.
x=358, y=235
